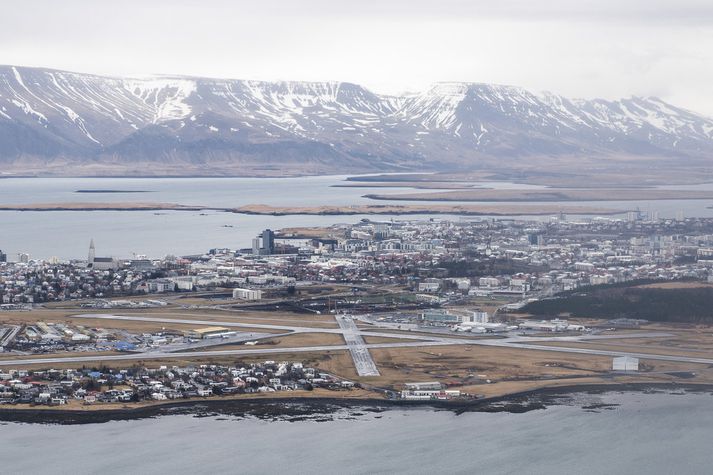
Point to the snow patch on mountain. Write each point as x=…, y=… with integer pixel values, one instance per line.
x=452, y=122
x=166, y=96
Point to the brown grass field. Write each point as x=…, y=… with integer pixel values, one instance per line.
x=466, y=367
x=509, y=370
x=677, y=285
x=549, y=194
x=474, y=210
x=371, y=340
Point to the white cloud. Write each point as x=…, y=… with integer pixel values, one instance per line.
x=584, y=48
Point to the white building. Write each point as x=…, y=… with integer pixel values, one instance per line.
x=625, y=363
x=584, y=266
x=519, y=285
x=423, y=386
x=462, y=283
x=183, y=283
x=104, y=263
x=247, y=294
x=488, y=282
x=545, y=325
x=429, y=286
x=160, y=285
x=481, y=317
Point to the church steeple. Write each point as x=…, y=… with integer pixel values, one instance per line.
x=92, y=253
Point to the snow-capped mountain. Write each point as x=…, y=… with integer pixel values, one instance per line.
x=64, y=122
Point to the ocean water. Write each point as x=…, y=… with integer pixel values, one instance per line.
x=126, y=233
x=661, y=433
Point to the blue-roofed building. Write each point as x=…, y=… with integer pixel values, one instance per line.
x=124, y=346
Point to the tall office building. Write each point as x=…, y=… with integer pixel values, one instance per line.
x=268, y=242
x=3, y=256
x=264, y=243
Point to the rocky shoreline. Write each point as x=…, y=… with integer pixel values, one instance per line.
x=295, y=409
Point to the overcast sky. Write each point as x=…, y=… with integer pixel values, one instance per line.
x=578, y=48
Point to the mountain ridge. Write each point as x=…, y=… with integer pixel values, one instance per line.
x=66, y=122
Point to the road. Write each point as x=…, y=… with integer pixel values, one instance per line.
x=214, y=353
x=105, y=316
x=309, y=349
x=241, y=338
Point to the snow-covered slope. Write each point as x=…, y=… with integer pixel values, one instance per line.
x=510, y=120
x=48, y=115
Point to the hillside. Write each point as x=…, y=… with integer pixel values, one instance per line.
x=58, y=122
x=685, y=304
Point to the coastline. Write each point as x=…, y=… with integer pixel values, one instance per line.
x=347, y=210
x=301, y=408
x=548, y=195
x=103, y=207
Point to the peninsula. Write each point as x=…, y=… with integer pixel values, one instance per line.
x=346, y=210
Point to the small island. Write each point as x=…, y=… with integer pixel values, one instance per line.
x=113, y=191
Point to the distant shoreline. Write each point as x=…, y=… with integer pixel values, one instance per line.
x=101, y=207
x=304, y=407
x=346, y=210
x=560, y=195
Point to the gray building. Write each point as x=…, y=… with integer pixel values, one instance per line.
x=100, y=263
x=268, y=241
x=264, y=244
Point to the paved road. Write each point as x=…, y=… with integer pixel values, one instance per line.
x=363, y=361
x=307, y=349
x=207, y=343
x=608, y=336
x=191, y=321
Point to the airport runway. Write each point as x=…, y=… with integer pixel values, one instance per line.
x=363, y=361
x=308, y=349
x=354, y=338
x=207, y=343
x=215, y=353
x=281, y=328
x=211, y=323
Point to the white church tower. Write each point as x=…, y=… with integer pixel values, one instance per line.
x=92, y=254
